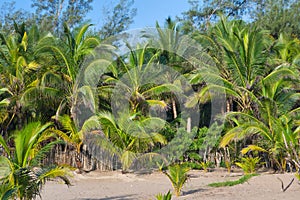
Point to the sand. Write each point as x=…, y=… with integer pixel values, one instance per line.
x=118, y=186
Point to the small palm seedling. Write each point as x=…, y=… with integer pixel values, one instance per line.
x=160, y=166
x=178, y=177
x=248, y=164
x=205, y=165
x=167, y=196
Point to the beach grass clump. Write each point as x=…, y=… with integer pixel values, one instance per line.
x=241, y=180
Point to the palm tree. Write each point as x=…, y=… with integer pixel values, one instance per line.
x=23, y=169
x=240, y=54
x=65, y=60
x=286, y=50
x=131, y=136
x=139, y=80
x=74, y=137
x=273, y=119
x=173, y=50
x=17, y=70
x=178, y=177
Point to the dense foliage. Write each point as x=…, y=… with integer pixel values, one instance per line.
x=254, y=62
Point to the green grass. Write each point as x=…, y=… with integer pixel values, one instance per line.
x=243, y=179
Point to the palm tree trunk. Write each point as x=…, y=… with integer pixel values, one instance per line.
x=189, y=125
x=65, y=153
x=174, y=108
x=78, y=161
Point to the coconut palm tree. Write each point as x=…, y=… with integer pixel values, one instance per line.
x=174, y=50
x=139, y=79
x=240, y=55
x=23, y=170
x=65, y=58
x=74, y=136
x=131, y=136
x=273, y=120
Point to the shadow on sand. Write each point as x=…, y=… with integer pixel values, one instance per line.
x=192, y=191
x=121, y=197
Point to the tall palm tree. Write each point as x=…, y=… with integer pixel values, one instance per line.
x=240, y=54
x=274, y=118
x=65, y=60
x=175, y=51
x=139, y=79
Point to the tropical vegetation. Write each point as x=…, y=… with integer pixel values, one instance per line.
x=212, y=88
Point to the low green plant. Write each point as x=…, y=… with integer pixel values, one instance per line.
x=242, y=180
x=248, y=164
x=178, y=176
x=23, y=174
x=161, y=166
x=205, y=165
x=167, y=196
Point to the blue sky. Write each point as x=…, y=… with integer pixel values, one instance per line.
x=148, y=11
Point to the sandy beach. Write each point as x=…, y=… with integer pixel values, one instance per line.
x=117, y=186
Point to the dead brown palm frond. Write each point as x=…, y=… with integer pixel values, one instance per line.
x=283, y=189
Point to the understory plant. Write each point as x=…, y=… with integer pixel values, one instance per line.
x=248, y=164
x=205, y=165
x=178, y=176
x=22, y=172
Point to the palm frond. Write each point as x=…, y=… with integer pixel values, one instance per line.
x=4, y=145
x=42, y=152
x=252, y=148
